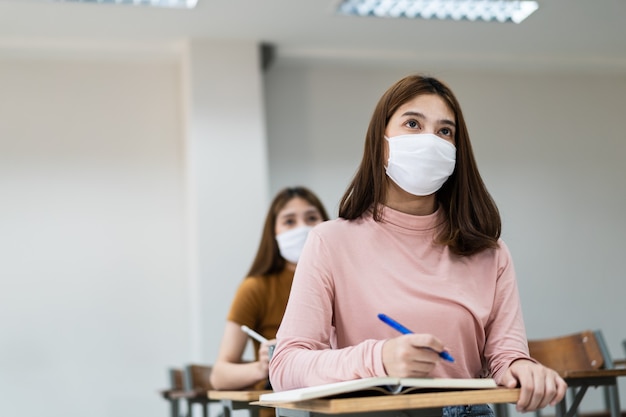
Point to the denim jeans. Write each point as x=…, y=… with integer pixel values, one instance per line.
x=477, y=410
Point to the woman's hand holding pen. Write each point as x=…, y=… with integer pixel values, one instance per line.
x=411, y=355
x=264, y=355
x=265, y=350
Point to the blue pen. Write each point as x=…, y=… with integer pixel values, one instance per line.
x=391, y=322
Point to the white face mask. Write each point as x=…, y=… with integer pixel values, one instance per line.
x=291, y=242
x=420, y=163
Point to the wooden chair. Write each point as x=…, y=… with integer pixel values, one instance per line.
x=176, y=393
x=621, y=363
x=197, y=384
x=583, y=360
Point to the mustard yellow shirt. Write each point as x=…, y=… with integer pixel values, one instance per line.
x=260, y=303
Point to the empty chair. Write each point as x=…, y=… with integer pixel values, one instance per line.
x=197, y=384
x=175, y=393
x=583, y=360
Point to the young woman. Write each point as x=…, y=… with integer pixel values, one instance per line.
x=418, y=239
x=261, y=298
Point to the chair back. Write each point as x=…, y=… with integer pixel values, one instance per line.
x=197, y=378
x=176, y=377
x=575, y=352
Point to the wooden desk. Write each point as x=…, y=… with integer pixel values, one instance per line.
x=425, y=404
x=237, y=400
x=580, y=381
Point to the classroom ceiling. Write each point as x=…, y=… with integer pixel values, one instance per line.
x=562, y=34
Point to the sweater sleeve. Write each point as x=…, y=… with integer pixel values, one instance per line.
x=505, y=332
x=305, y=354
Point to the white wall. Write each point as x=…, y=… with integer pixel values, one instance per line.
x=92, y=235
x=551, y=149
x=133, y=189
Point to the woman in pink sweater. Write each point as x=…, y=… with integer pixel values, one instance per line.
x=418, y=239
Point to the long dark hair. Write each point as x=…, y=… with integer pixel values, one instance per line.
x=473, y=220
x=268, y=259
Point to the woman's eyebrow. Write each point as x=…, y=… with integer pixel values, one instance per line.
x=447, y=122
x=413, y=113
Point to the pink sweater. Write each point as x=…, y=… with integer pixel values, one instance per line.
x=350, y=271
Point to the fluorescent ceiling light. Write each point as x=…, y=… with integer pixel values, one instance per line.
x=181, y=4
x=487, y=10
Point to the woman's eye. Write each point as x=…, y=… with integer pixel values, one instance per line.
x=314, y=219
x=412, y=124
x=447, y=132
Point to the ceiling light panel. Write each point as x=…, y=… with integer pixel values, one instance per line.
x=487, y=10
x=180, y=4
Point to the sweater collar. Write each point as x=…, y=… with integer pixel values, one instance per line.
x=410, y=221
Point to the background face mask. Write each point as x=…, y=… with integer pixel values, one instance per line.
x=420, y=163
x=291, y=242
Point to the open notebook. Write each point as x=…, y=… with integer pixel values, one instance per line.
x=386, y=385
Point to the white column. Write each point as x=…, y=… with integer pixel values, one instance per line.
x=227, y=178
